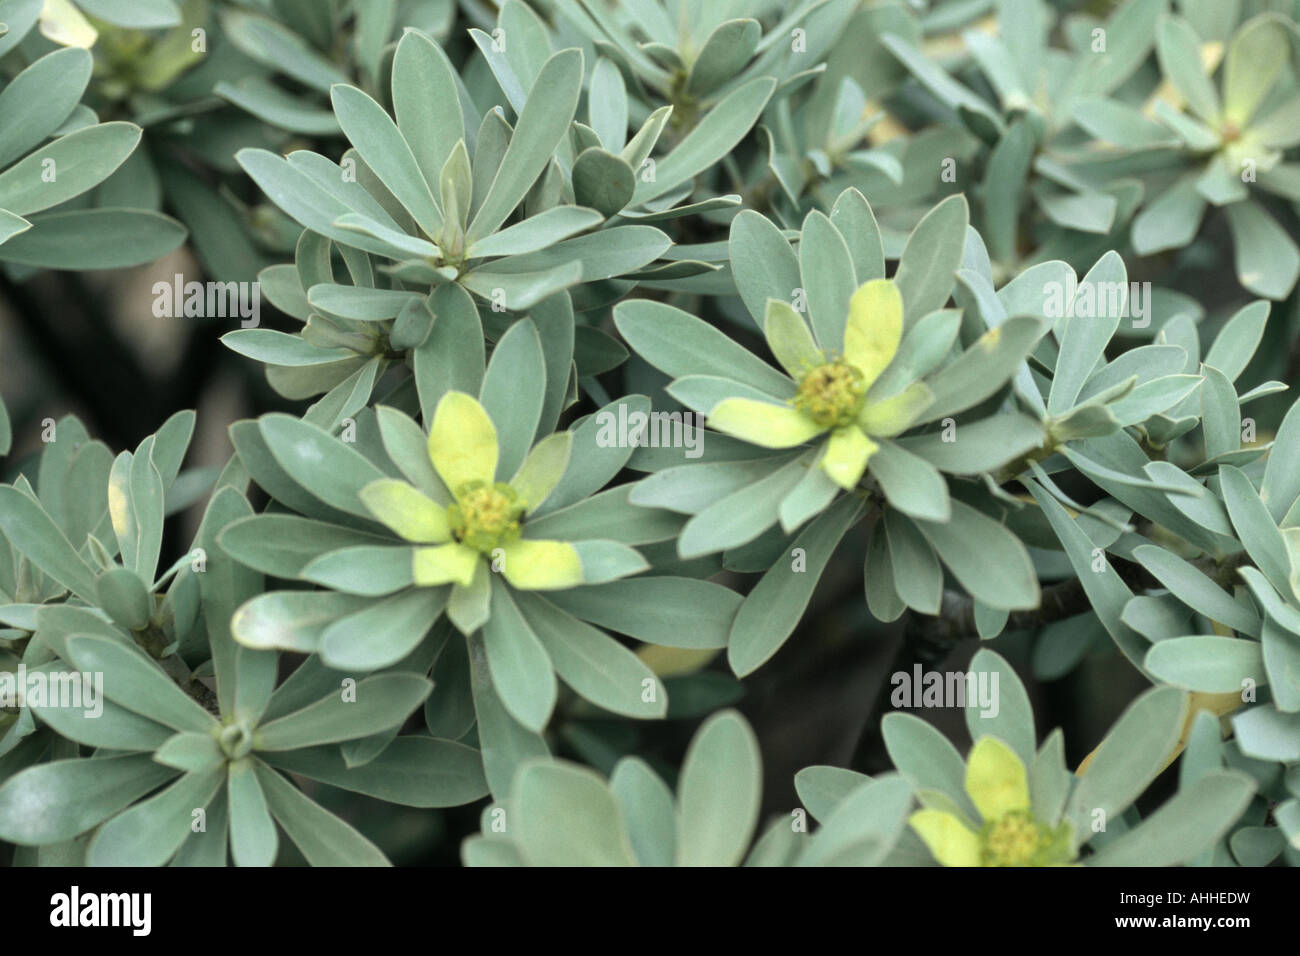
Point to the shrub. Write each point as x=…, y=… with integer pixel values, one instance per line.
x=605, y=343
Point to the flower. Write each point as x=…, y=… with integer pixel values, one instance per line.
x=832, y=393
x=481, y=522
x=1011, y=835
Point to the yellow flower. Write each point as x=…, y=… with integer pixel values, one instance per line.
x=484, y=525
x=833, y=393
x=1011, y=835
x=62, y=23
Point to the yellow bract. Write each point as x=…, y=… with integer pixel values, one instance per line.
x=998, y=785
x=483, y=523
x=462, y=442
x=406, y=511
x=874, y=328
x=831, y=394
x=996, y=779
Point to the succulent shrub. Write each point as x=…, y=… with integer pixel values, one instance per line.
x=636, y=379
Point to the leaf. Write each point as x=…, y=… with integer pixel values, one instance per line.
x=323, y=838
x=78, y=161
x=1134, y=751
x=607, y=105
x=853, y=217
x=1085, y=336
x=865, y=826
x=1256, y=56
x=723, y=55
x=1191, y=822
x=354, y=302
x=150, y=832
x=1179, y=51
x=925, y=757
x=603, y=181
x=719, y=793
x=56, y=801
x=649, y=816
x=1007, y=715
x=568, y=817
x=762, y=262
x=522, y=673
x=821, y=789
x=452, y=357
x=276, y=46
x=1106, y=591
x=743, y=515
x=413, y=770
x=1281, y=485
x=1195, y=589
x=104, y=725
x=1169, y=221
x=425, y=102
x=40, y=98
x=980, y=447
x=1266, y=733
x=26, y=525
x=542, y=124
x=987, y=559
x=774, y=607
x=1237, y=341
x=1268, y=261
x=136, y=683
x=253, y=837
x=983, y=368
x=668, y=611
x=712, y=139
x=374, y=704
x=1216, y=665
x=595, y=665
x=318, y=462
x=506, y=744
x=1004, y=189
x=679, y=344
x=1255, y=527
x=382, y=633
x=381, y=145
x=928, y=266
x=94, y=239
x=826, y=274
x=538, y=232
x=512, y=392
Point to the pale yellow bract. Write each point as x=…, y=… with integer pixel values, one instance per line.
x=464, y=453
x=833, y=393
x=998, y=785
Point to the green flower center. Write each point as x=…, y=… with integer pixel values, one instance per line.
x=1014, y=839
x=831, y=394
x=485, y=516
